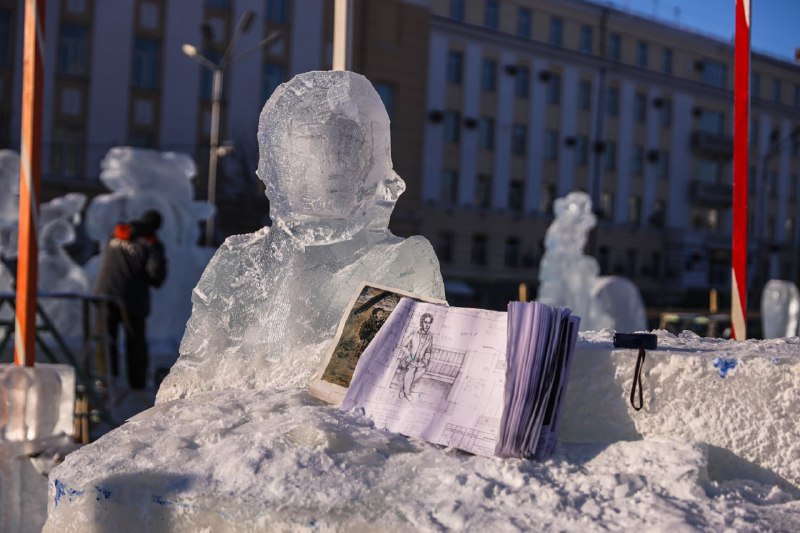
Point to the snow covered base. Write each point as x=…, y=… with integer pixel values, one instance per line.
x=280, y=460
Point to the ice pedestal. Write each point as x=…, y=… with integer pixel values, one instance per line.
x=280, y=460
x=36, y=406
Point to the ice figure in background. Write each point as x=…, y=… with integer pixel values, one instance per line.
x=269, y=302
x=569, y=278
x=9, y=213
x=142, y=179
x=780, y=307
x=57, y=221
x=58, y=272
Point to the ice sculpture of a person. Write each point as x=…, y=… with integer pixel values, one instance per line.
x=566, y=275
x=415, y=354
x=780, y=309
x=268, y=303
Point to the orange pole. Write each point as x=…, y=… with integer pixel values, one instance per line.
x=29, y=178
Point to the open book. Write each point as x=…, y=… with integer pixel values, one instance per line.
x=486, y=382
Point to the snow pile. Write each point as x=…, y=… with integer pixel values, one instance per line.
x=279, y=459
x=142, y=179
x=568, y=278
x=270, y=301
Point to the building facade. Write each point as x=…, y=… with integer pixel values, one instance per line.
x=497, y=106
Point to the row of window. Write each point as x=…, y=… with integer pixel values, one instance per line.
x=712, y=72
x=277, y=11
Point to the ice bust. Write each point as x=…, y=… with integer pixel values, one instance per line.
x=268, y=302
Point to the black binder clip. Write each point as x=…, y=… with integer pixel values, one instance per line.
x=642, y=341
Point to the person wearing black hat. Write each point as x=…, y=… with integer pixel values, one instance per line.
x=133, y=261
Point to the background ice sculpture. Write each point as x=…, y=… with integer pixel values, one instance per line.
x=268, y=303
x=142, y=179
x=780, y=309
x=57, y=221
x=569, y=278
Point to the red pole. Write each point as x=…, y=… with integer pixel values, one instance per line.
x=29, y=178
x=741, y=147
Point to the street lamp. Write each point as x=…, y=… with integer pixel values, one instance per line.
x=774, y=147
x=215, y=150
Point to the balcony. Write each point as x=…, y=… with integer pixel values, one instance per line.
x=711, y=194
x=712, y=144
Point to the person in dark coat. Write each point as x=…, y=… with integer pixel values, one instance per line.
x=133, y=262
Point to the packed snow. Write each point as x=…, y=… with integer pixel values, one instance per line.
x=279, y=459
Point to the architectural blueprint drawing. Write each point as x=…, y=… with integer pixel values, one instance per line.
x=437, y=373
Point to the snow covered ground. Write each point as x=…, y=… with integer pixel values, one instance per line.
x=279, y=459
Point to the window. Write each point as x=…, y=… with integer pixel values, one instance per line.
x=5, y=37
x=795, y=99
x=512, y=252
x=551, y=145
x=489, y=75
x=715, y=73
x=491, y=15
x=77, y=7
x=219, y=4
x=71, y=101
x=554, y=89
x=754, y=132
x=149, y=16
x=483, y=192
x=478, y=255
x=273, y=75
x=788, y=228
x=449, y=191
x=614, y=47
x=611, y=155
x=546, y=199
x=711, y=122
x=776, y=91
x=666, y=113
x=755, y=84
x=73, y=50
x=515, y=191
x=146, y=63
x=444, y=246
x=663, y=164
x=524, y=22
x=634, y=209
x=386, y=92
x=640, y=107
x=278, y=11
x=585, y=95
x=522, y=82
x=455, y=66
x=582, y=148
x=452, y=126
x=667, y=63
x=632, y=260
x=638, y=159
x=66, y=157
x=556, y=31
x=659, y=214
x=143, y=112
x=708, y=170
x=586, y=39
x=604, y=259
x=607, y=205
x=457, y=10
x=641, y=54
x=613, y=101
x=519, y=138
x=486, y=133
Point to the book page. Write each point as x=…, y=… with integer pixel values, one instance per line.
x=437, y=373
x=366, y=312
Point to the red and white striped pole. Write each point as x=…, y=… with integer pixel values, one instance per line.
x=29, y=181
x=741, y=147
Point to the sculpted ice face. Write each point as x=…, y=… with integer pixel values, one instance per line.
x=269, y=302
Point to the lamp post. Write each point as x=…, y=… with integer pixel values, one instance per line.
x=218, y=69
x=774, y=147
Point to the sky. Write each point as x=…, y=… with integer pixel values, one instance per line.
x=775, y=27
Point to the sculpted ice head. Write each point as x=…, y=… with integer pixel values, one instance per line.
x=325, y=156
x=574, y=219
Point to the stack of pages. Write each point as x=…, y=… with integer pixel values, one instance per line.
x=487, y=382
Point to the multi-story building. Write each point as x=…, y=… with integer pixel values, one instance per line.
x=529, y=100
x=498, y=107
